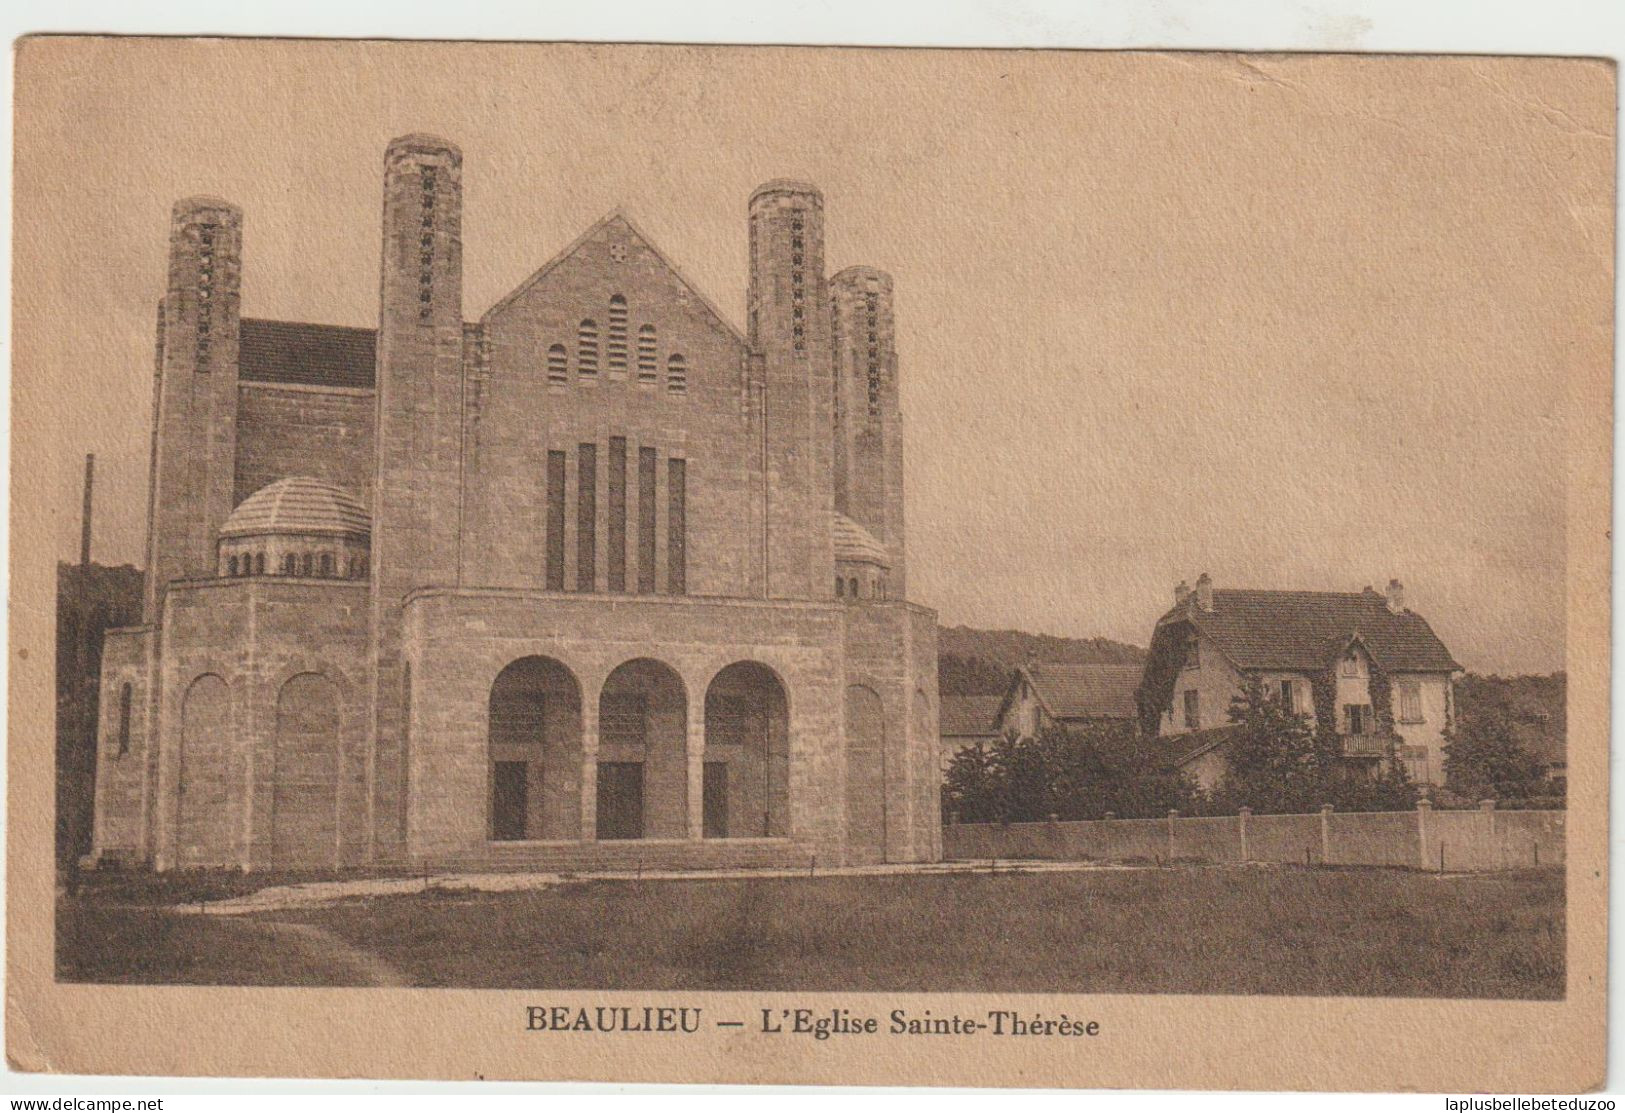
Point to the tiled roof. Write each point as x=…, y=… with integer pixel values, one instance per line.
x=969, y=716
x=1303, y=630
x=853, y=542
x=1087, y=691
x=298, y=506
x=306, y=355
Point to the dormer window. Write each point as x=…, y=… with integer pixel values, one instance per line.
x=1351, y=663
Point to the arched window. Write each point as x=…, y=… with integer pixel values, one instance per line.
x=288, y=568
x=259, y=564
x=231, y=566
x=558, y=366
x=124, y=720
x=677, y=374
x=648, y=363
x=840, y=587
x=327, y=564
x=587, y=348
x=305, y=564
x=617, y=334
x=880, y=588
x=852, y=587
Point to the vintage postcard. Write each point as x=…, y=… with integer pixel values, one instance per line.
x=868, y=566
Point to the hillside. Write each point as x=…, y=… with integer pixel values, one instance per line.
x=973, y=662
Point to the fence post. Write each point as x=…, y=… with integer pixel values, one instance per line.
x=1424, y=809
x=1241, y=818
x=1325, y=834
x=1173, y=814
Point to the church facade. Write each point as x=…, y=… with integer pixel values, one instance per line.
x=592, y=579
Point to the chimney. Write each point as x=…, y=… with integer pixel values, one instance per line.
x=84, y=518
x=1396, y=596
x=1182, y=592
x=1204, y=592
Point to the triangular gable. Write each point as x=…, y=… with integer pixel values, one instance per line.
x=576, y=244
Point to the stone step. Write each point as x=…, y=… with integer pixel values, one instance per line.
x=630, y=856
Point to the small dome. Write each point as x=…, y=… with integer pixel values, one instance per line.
x=853, y=542
x=299, y=505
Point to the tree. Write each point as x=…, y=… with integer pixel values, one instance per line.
x=1484, y=759
x=1071, y=773
x=1275, y=762
x=1278, y=763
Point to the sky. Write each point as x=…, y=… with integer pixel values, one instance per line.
x=1297, y=322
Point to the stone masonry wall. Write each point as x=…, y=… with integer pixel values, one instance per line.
x=285, y=430
x=457, y=643
x=525, y=407
x=257, y=635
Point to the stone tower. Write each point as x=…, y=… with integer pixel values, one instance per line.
x=868, y=418
x=415, y=535
x=789, y=328
x=195, y=413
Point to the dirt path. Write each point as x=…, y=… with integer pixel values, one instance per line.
x=327, y=957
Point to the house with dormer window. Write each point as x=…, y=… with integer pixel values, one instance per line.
x=1365, y=657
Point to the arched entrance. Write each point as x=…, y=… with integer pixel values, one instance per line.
x=534, y=743
x=305, y=775
x=203, y=820
x=643, y=753
x=747, y=754
x=865, y=777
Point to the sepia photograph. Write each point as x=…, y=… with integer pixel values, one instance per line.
x=776, y=544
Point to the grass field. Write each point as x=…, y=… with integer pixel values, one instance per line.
x=1270, y=931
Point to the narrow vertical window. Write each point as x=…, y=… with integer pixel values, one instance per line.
x=231, y=566
x=615, y=559
x=647, y=462
x=586, y=517
x=555, y=521
x=259, y=564
x=617, y=335
x=840, y=588
x=677, y=526
x=558, y=366
x=1193, y=710
x=124, y=695
x=677, y=374
x=648, y=362
x=587, y=348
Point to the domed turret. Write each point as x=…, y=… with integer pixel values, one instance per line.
x=297, y=527
x=861, y=561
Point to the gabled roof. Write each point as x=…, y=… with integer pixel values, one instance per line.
x=969, y=716
x=1085, y=691
x=305, y=354
x=1305, y=630
x=614, y=216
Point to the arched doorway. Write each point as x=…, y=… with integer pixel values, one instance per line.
x=643, y=753
x=305, y=777
x=865, y=776
x=747, y=754
x=534, y=743
x=203, y=821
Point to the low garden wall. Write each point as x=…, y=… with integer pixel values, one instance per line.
x=1480, y=839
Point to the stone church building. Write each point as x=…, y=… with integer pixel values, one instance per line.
x=592, y=578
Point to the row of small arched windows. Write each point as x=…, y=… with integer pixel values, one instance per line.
x=617, y=352
x=325, y=565
x=846, y=587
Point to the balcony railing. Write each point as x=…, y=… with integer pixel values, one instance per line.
x=1367, y=745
